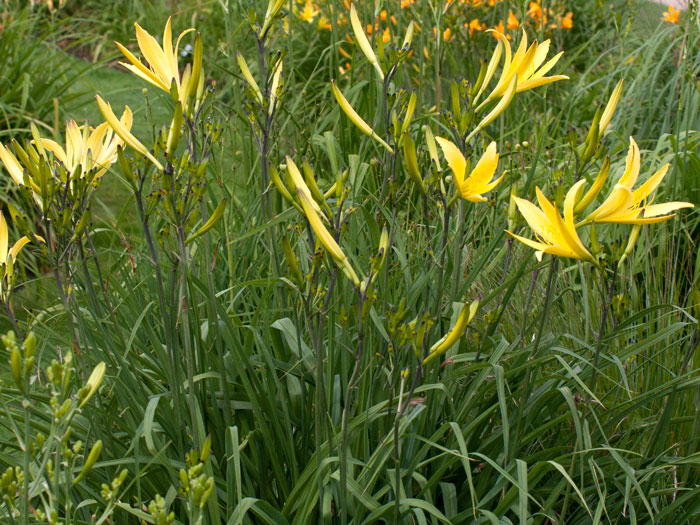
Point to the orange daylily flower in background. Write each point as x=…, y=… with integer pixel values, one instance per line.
x=446, y=34
x=671, y=15
x=499, y=30
x=568, y=21
x=475, y=25
x=386, y=35
x=512, y=21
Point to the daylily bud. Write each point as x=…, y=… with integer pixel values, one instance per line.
x=454, y=96
x=277, y=181
x=466, y=315
x=292, y=261
x=93, y=383
x=479, y=80
x=30, y=344
x=410, y=110
x=634, y=235
x=408, y=39
x=175, y=131
x=197, y=74
x=378, y=260
x=592, y=141
x=355, y=118
x=274, y=87
x=411, y=162
x=80, y=227
x=243, y=66
x=16, y=366
x=206, y=449
x=610, y=108
x=311, y=183
x=432, y=147
x=362, y=41
x=214, y=218
x=90, y=461
x=184, y=480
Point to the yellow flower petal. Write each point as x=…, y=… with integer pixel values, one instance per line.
x=12, y=165
x=123, y=133
x=617, y=201
x=486, y=167
x=655, y=210
x=17, y=247
x=455, y=159
x=3, y=239
x=650, y=184
x=629, y=177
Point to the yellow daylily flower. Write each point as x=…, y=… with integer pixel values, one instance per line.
x=88, y=148
x=627, y=206
x=450, y=338
x=8, y=256
x=123, y=132
x=10, y=253
x=12, y=165
x=555, y=235
x=480, y=181
x=527, y=64
x=162, y=68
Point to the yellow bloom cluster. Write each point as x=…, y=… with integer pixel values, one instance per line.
x=559, y=236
